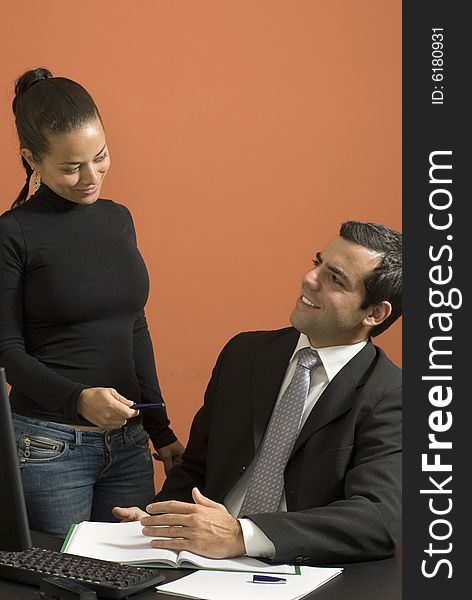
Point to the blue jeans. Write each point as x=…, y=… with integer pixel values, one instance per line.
x=71, y=475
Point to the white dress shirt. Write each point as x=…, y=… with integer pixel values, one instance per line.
x=333, y=358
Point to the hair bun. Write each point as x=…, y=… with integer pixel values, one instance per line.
x=29, y=78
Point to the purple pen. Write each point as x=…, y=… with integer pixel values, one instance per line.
x=267, y=579
x=149, y=405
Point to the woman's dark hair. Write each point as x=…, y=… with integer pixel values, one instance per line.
x=385, y=281
x=44, y=105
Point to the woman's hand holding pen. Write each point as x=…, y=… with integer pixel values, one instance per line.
x=105, y=407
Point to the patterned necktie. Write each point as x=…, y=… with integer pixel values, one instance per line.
x=267, y=481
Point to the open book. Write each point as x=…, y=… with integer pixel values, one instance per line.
x=125, y=543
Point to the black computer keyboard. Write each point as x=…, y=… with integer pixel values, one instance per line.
x=107, y=579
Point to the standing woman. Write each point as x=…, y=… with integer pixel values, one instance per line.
x=73, y=336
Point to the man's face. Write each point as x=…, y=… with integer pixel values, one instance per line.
x=332, y=292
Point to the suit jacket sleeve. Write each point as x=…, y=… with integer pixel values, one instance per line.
x=155, y=420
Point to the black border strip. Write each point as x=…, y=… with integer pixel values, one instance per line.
x=436, y=127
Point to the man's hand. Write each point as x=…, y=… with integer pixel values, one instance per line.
x=170, y=455
x=205, y=528
x=125, y=515
x=105, y=407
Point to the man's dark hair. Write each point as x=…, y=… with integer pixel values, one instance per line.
x=385, y=281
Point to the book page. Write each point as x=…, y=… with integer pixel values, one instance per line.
x=240, y=563
x=120, y=542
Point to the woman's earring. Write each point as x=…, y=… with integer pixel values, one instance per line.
x=37, y=181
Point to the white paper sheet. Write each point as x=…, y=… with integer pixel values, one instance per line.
x=215, y=585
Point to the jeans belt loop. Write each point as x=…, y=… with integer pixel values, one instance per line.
x=78, y=436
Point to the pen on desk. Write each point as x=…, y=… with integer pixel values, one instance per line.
x=149, y=405
x=267, y=579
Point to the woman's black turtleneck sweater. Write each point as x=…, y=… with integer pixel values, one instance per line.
x=73, y=286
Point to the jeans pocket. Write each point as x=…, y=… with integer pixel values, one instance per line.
x=138, y=437
x=41, y=449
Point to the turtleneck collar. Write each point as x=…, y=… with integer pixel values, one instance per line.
x=52, y=201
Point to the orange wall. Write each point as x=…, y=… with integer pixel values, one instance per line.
x=241, y=132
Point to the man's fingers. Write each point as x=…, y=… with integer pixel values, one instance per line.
x=169, y=532
x=123, y=514
x=168, y=520
x=177, y=507
x=199, y=498
x=132, y=513
x=176, y=544
x=170, y=506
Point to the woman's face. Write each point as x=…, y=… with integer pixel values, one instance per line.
x=76, y=164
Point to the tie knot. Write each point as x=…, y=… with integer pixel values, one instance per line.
x=308, y=358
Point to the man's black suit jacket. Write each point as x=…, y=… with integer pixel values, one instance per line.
x=343, y=479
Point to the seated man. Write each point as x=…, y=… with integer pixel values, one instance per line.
x=297, y=448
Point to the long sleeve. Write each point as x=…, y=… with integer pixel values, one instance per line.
x=25, y=373
x=155, y=421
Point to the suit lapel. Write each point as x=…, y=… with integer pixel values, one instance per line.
x=340, y=394
x=268, y=372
